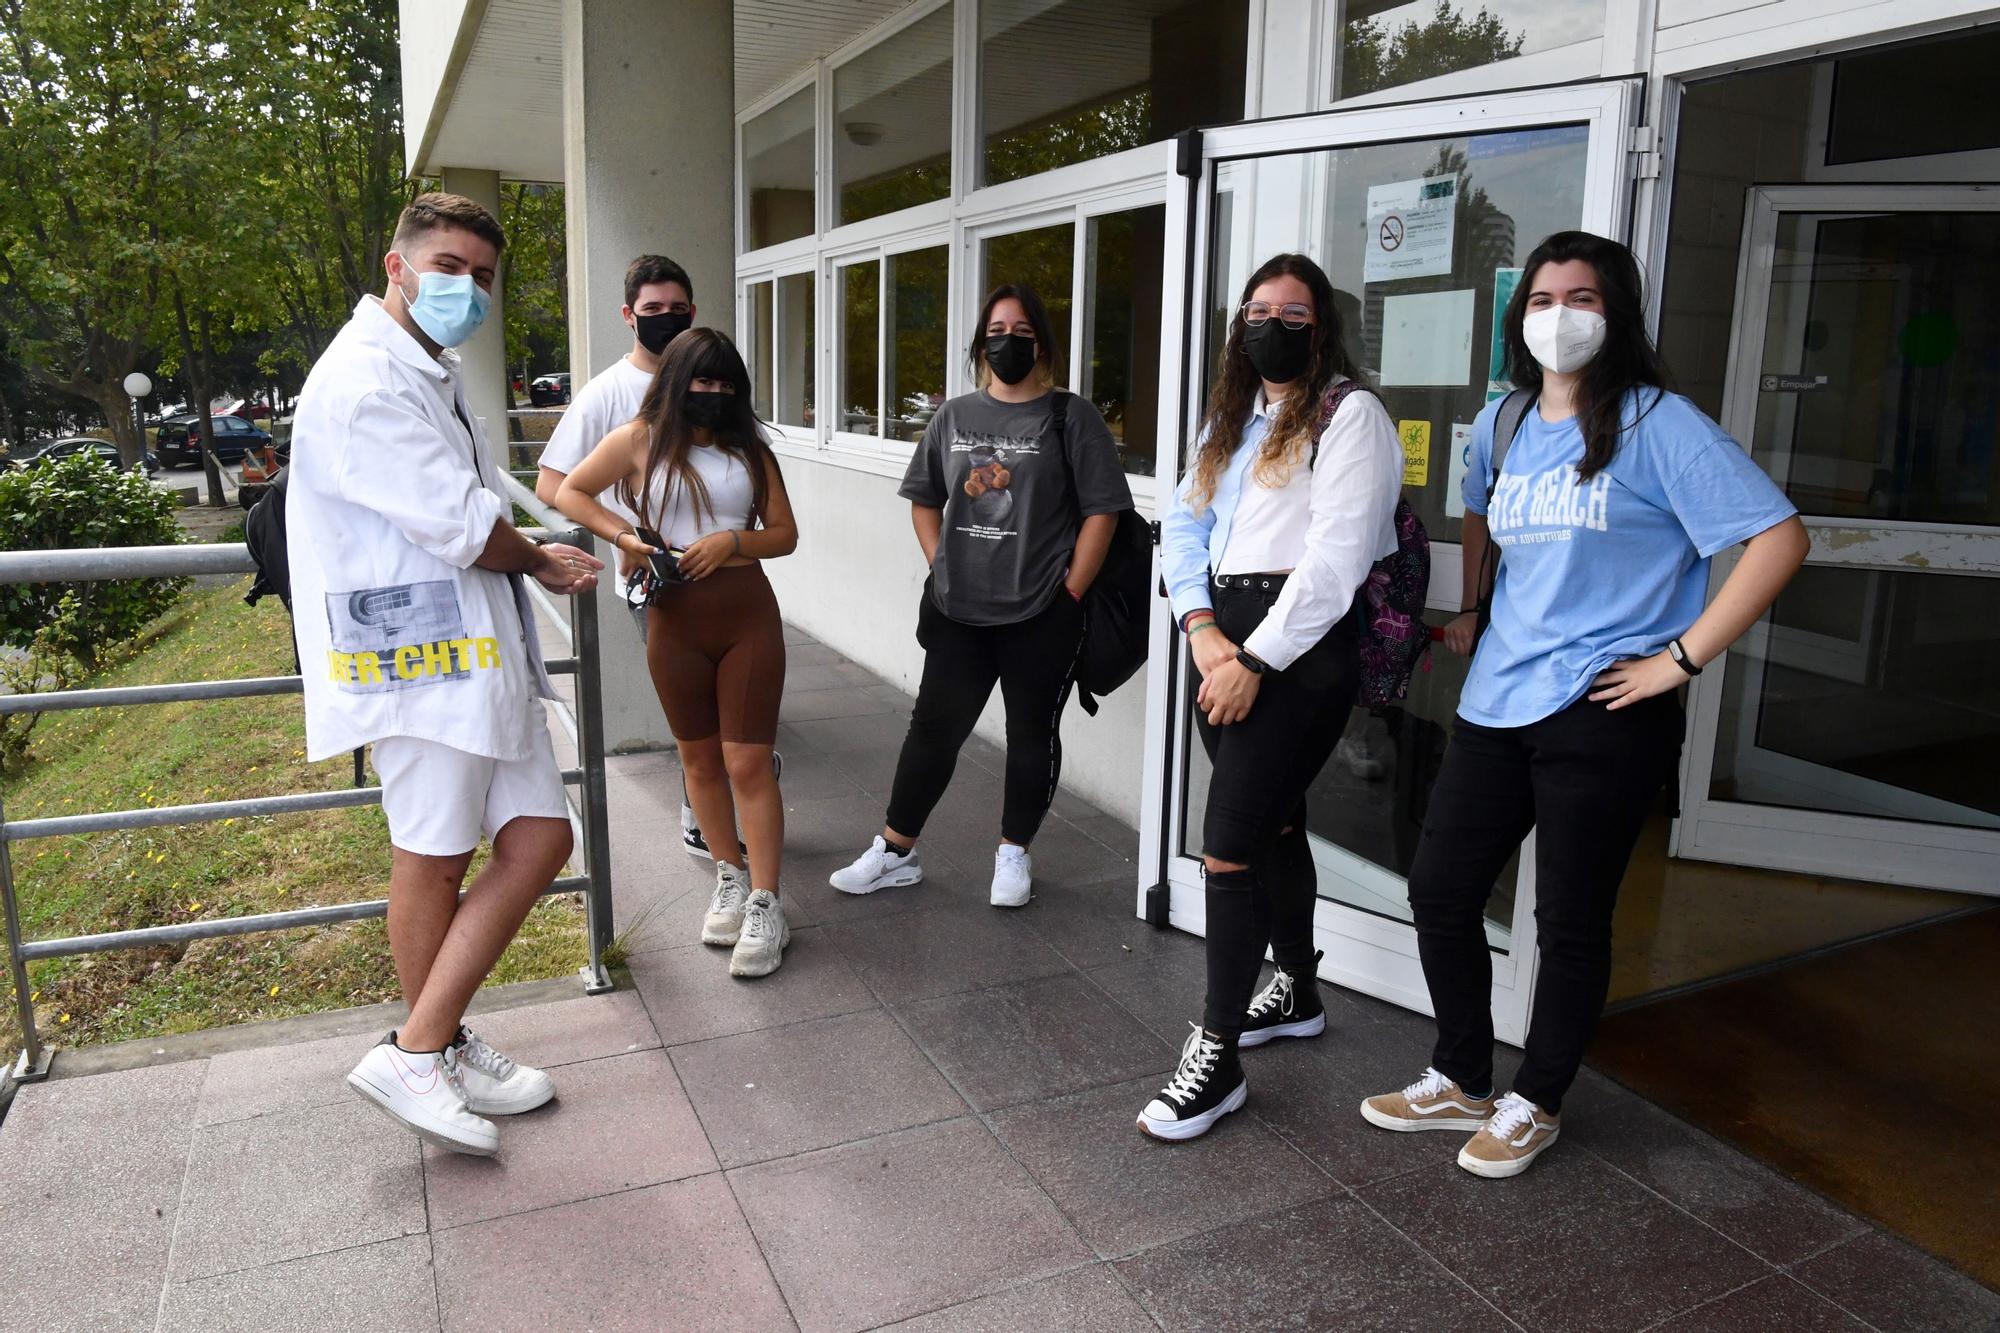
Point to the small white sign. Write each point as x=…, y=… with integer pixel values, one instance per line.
x=1427, y=338
x=1410, y=227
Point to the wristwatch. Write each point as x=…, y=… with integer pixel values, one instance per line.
x=1250, y=663
x=1681, y=658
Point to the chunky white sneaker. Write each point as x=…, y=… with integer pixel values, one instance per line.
x=1208, y=1085
x=1509, y=1143
x=761, y=946
x=725, y=906
x=1013, y=873
x=425, y=1094
x=876, y=869
x=495, y=1085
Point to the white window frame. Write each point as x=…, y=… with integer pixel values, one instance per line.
x=786, y=436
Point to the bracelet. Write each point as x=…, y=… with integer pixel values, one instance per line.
x=736, y=542
x=1186, y=627
x=1201, y=625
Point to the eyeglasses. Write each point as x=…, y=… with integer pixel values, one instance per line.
x=1291, y=316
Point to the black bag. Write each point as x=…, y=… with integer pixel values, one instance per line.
x=1115, y=609
x=264, y=534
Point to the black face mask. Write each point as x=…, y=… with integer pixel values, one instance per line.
x=1010, y=356
x=1280, y=354
x=656, y=331
x=708, y=410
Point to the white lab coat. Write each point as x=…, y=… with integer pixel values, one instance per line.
x=393, y=494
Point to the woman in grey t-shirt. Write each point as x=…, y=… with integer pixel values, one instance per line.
x=1014, y=508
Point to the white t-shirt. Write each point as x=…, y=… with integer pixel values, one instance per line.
x=680, y=521
x=609, y=401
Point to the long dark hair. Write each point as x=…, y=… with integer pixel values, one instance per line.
x=699, y=354
x=1627, y=360
x=1047, y=369
x=1236, y=387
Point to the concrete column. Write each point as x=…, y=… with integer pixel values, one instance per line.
x=483, y=359
x=649, y=167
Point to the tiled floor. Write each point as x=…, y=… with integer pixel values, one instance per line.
x=925, y=1116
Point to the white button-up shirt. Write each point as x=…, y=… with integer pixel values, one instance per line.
x=393, y=495
x=1329, y=523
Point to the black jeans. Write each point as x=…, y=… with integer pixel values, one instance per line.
x=1584, y=779
x=1035, y=661
x=1260, y=769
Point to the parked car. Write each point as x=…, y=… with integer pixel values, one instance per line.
x=37, y=450
x=547, y=389
x=177, y=443
x=249, y=411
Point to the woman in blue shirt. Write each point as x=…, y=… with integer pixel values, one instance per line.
x=1613, y=496
x=1282, y=514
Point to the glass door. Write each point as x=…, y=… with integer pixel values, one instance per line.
x=1420, y=215
x=1853, y=732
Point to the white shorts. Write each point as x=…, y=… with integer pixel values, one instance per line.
x=439, y=800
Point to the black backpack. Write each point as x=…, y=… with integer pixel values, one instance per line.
x=1116, y=607
x=264, y=534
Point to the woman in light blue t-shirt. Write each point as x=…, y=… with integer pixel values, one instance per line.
x=1612, y=496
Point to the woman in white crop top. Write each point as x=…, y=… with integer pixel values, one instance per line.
x=696, y=468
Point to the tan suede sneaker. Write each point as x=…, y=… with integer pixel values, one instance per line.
x=1508, y=1143
x=1432, y=1102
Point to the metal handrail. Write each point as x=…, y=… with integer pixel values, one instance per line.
x=63, y=566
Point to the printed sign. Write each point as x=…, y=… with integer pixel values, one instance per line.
x=1416, y=438
x=1410, y=229
x=1791, y=383
x=1455, y=468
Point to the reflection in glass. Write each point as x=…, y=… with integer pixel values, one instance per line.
x=1044, y=259
x=1074, y=80
x=860, y=329
x=1868, y=692
x=917, y=293
x=778, y=172
x=794, y=346
x=757, y=342
x=892, y=121
x=1387, y=45
x=1123, y=269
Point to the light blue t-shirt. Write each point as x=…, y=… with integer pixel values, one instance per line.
x=1608, y=570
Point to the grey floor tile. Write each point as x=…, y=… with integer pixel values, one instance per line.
x=1570, y=1245
x=1766, y=1306
x=383, y=1288
x=880, y=1230
x=806, y=883
x=1163, y=990
x=567, y=1032
x=94, y=1169
x=673, y=1256
x=1329, y=1264
x=1093, y=925
x=692, y=997
x=955, y=947
x=834, y=735
x=1900, y=1289
x=843, y=700
x=1112, y=831
x=872, y=770
x=1065, y=854
x=296, y=1183
x=616, y=1124
x=1126, y=1192
x=830, y=824
x=811, y=1085
x=815, y=777
x=1033, y=1039
x=244, y=1084
x=1088, y=1300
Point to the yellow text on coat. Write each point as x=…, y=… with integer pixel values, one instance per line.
x=415, y=661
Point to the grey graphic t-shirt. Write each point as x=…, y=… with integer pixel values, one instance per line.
x=1010, y=522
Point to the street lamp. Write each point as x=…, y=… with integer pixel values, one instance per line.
x=138, y=385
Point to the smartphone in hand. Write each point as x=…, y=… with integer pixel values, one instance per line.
x=664, y=559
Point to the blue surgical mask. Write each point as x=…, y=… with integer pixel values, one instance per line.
x=449, y=307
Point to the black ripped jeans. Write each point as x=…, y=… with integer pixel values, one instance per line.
x=1261, y=768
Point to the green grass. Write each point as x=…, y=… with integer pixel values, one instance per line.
x=175, y=754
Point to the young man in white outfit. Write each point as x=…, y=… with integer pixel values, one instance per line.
x=659, y=307
x=416, y=637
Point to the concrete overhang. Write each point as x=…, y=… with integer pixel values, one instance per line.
x=483, y=87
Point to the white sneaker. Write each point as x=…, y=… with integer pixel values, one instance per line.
x=495, y=1085
x=725, y=908
x=877, y=869
x=425, y=1093
x=1013, y=873
x=761, y=946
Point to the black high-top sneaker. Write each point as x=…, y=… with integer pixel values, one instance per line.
x=1208, y=1085
x=1288, y=1007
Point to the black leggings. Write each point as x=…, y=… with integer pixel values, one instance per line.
x=1585, y=780
x=1035, y=662
x=1261, y=768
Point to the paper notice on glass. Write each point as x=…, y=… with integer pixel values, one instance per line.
x=1416, y=438
x=1427, y=338
x=1461, y=459
x=1410, y=225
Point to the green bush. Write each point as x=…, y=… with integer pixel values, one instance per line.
x=82, y=501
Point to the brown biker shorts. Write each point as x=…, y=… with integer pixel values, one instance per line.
x=717, y=652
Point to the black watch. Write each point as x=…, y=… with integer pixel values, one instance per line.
x=1681, y=658
x=1250, y=663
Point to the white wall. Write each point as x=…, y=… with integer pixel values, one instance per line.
x=854, y=585
x=427, y=32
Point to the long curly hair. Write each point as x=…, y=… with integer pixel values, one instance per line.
x=693, y=355
x=1627, y=360
x=1235, y=391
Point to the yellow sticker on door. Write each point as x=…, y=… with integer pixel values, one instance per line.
x=1416, y=440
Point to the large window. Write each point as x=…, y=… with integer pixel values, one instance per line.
x=1386, y=45
x=1124, y=256
x=915, y=287
x=892, y=121
x=1044, y=259
x=793, y=341
x=1079, y=79
x=778, y=172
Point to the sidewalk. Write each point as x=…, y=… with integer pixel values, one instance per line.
x=926, y=1115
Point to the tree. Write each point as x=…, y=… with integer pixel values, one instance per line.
x=537, y=277
x=1373, y=57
